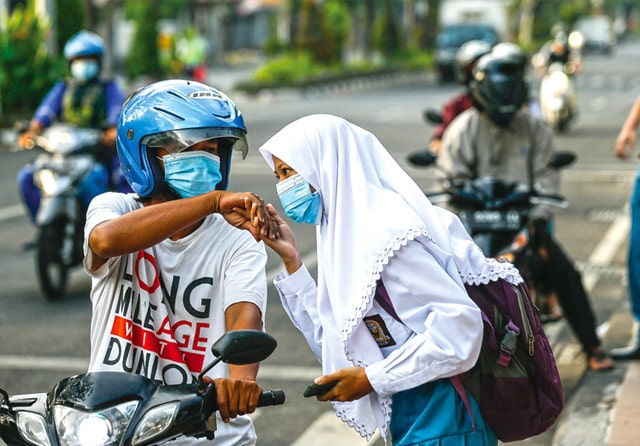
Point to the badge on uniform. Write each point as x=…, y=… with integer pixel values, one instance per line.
x=379, y=331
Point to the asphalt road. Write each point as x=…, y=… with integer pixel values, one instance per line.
x=42, y=342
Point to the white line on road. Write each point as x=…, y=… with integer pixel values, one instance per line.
x=8, y=212
x=327, y=429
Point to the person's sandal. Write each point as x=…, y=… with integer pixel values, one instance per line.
x=600, y=361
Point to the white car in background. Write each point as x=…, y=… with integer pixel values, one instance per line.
x=598, y=33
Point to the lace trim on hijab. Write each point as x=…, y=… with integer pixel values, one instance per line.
x=496, y=270
x=361, y=429
x=384, y=402
x=491, y=271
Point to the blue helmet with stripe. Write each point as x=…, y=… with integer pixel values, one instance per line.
x=174, y=115
x=84, y=44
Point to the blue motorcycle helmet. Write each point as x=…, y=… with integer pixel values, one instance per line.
x=84, y=44
x=174, y=115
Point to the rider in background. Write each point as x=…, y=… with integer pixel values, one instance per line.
x=86, y=100
x=466, y=57
x=499, y=137
x=559, y=49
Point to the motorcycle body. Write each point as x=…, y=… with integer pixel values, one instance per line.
x=67, y=174
x=558, y=98
x=117, y=408
x=497, y=215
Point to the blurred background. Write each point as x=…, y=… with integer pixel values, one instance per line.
x=284, y=42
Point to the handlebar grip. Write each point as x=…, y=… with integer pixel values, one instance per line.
x=267, y=398
x=271, y=398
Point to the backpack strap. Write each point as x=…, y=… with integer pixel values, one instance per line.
x=508, y=343
x=382, y=297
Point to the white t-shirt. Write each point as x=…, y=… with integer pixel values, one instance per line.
x=158, y=311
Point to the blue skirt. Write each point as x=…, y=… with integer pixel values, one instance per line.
x=435, y=415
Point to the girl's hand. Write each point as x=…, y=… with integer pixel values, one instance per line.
x=246, y=210
x=285, y=245
x=352, y=384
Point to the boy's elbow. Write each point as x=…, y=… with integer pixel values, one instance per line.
x=100, y=243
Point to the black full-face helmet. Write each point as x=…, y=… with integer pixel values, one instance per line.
x=498, y=86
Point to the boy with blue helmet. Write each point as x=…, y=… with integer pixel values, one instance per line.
x=173, y=264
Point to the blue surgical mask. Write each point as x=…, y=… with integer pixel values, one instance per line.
x=298, y=202
x=84, y=69
x=192, y=173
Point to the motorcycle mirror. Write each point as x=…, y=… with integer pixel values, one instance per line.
x=244, y=346
x=241, y=347
x=433, y=116
x=561, y=159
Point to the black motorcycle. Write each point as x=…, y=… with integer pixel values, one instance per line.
x=117, y=408
x=497, y=215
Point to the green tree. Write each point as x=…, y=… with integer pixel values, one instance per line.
x=143, y=54
x=71, y=17
x=27, y=71
x=387, y=35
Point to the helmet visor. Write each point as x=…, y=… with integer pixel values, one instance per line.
x=176, y=141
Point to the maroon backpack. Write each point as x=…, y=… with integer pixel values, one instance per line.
x=515, y=380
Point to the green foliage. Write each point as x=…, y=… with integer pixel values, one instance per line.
x=27, y=71
x=386, y=34
x=324, y=28
x=71, y=16
x=287, y=70
x=143, y=58
x=413, y=59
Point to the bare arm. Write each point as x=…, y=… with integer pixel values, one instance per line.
x=161, y=219
x=238, y=394
x=626, y=140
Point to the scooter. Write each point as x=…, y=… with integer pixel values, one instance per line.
x=117, y=408
x=497, y=215
x=67, y=173
x=558, y=98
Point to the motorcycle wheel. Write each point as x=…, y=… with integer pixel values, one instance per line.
x=52, y=272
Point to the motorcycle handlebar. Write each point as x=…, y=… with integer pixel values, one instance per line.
x=550, y=200
x=271, y=398
x=267, y=398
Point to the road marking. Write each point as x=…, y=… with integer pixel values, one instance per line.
x=328, y=429
x=13, y=211
x=607, y=248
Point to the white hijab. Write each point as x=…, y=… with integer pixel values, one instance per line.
x=371, y=209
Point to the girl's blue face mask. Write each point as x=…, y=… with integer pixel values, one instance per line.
x=192, y=173
x=298, y=202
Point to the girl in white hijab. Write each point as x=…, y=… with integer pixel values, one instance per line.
x=375, y=225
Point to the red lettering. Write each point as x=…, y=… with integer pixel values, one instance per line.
x=155, y=283
x=165, y=327
x=199, y=339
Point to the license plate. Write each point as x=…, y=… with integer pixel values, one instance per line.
x=492, y=220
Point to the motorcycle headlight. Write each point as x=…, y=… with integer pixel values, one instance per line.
x=154, y=422
x=33, y=428
x=100, y=428
x=46, y=180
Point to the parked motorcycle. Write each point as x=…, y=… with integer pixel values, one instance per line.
x=64, y=170
x=558, y=98
x=113, y=408
x=497, y=214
